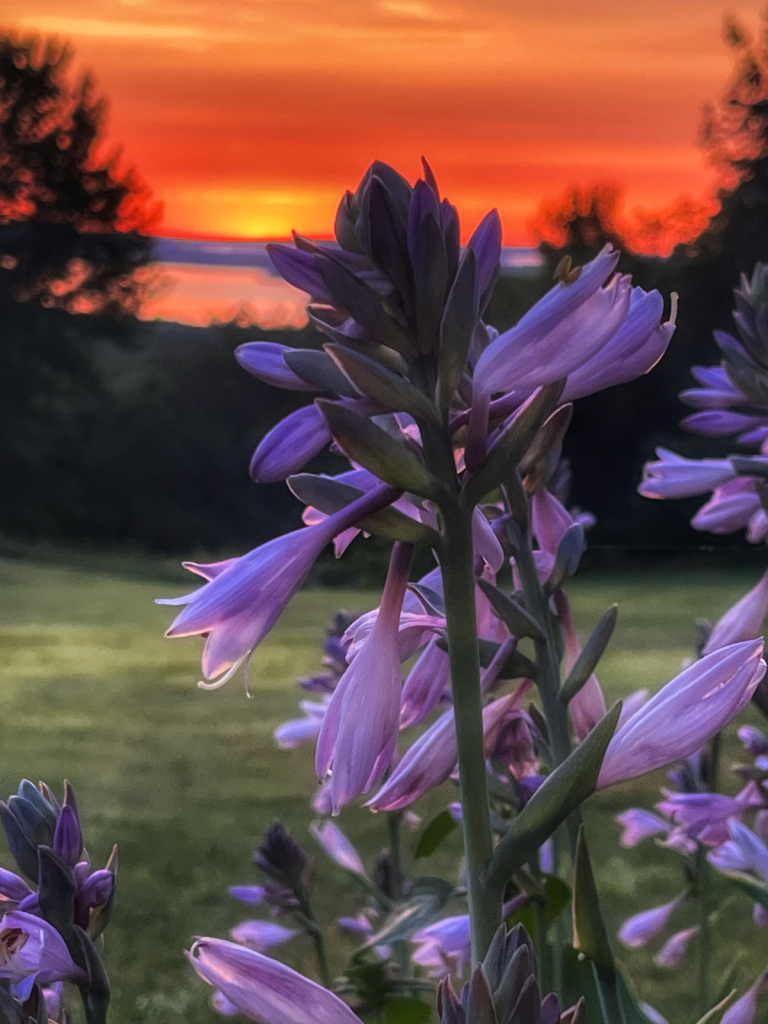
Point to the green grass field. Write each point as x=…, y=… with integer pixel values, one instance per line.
x=185, y=781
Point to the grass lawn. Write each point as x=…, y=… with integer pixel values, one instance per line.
x=185, y=781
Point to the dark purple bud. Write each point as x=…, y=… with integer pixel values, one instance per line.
x=299, y=269
x=98, y=887
x=383, y=876
x=449, y=221
x=486, y=243
x=68, y=837
x=289, y=446
x=281, y=858
x=388, y=244
x=23, y=851
x=429, y=177
x=346, y=221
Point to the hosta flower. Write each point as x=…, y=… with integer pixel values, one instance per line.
x=685, y=713
x=244, y=597
x=360, y=728
x=31, y=947
x=640, y=929
x=264, y=989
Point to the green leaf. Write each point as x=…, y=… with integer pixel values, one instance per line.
x=407, y=1011
x=458, y=324
x=374, y=449
x=589, y=933
x=569, y=552
x=755, y=889
x=549, y=437
x=329, y=496
x=435, y=834
x=562, y=792
x=511, y=446
x=431, y=600
x=593, y=651
x=364, y=304
x=372, y=379
x=711, y=1014
x=520, y=622
x=319, y=369
x=428, y=896
x=517, y=665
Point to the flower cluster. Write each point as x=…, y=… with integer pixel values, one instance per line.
x=732, y=401
x=48, y=928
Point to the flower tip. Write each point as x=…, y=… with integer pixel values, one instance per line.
x=673, y=302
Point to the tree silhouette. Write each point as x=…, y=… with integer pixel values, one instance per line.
x=72, y=223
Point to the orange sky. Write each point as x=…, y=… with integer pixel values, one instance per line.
x=250, y=117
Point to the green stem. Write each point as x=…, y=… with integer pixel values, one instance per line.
x=705, y=935
x=457, y=564
x=394, y=819
x=315, y=931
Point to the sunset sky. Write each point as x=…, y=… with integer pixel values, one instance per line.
x=250, y=117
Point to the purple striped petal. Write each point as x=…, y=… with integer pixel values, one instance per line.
x=685, y=713
x=337, y=846
x=264, y=989
x=744, y=621
x=262, y=935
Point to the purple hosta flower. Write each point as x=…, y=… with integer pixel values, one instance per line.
x=744, y=1010
x=264, y=989
x=266, y=361
x=705, y=816
x=290, y=445
x=262, y=935
x=432, y=758
x=588, y=706
x=639, y=825
x=640, y=929
x=685, y=713
x=444, y=947
x=716, y=423
x=32, y=948
x=673, y=952
x=754, y=740
x=717, y=392
x=359, y=732
x=676, y=477
x=743, y=852
x=427, y=682
x=744, y=621
x=249, y=893
x=550, y=520
x=627, y=356
x=337, y=846
x=734, y=506
x=514, y=749
x=298, y=731
x=13, y=888
x=244, y=599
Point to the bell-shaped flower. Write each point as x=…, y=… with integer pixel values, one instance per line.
x=241, y=602
x=722, y=423
x=550, y=520
x=685, y=713
x=744, y=1010
x=427, y=681
x=672, y=954
x=705, y=816
x=337, y=846
x=732, y=507
x=359, y=732
x=717, y=392
x=639, y=825
x=674, y=476
x=640, y=929
x=31, y=947
x=262, y=935
x=433, y=756
x=750, y=853
x=561, y=332
x=264, y=989
x=744, y=621
x=444, y=947
x=634, y=349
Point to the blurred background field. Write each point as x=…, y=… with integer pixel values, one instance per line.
x=185, y=781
